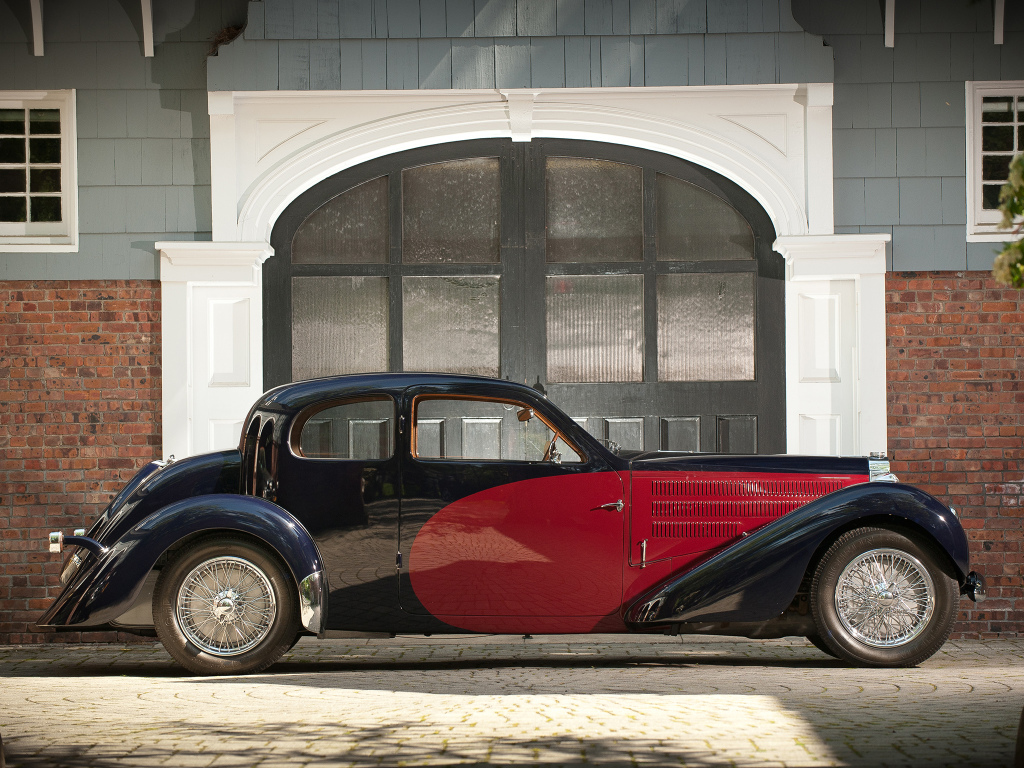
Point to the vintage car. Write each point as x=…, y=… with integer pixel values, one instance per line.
x=429, y=503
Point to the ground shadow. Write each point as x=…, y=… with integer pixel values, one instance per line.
x=412, y=742
x=289, y=671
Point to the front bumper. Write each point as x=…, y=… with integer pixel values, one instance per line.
x=974, y=587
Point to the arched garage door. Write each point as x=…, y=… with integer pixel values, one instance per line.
x=638, y=290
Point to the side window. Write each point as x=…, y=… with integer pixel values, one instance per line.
x=355, y=430
x=485, y=430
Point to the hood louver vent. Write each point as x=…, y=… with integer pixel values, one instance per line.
x=721, y=509
x=694, y=529
x=720, y=489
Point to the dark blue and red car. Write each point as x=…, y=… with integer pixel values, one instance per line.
x=429, y=503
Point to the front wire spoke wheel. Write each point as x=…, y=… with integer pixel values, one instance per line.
x=896, y=604
x=883, y=598
x=238, y=613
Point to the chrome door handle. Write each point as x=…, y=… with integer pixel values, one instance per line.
x=616, y=505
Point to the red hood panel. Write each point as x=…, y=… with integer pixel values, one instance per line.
x=681, y=513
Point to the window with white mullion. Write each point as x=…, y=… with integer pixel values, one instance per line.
x=37, y=173
x=30, y=172
x=995, y=124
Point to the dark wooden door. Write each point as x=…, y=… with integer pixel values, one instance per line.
x=637, y=290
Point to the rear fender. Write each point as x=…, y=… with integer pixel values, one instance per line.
x=100, y=593
x=757, y=578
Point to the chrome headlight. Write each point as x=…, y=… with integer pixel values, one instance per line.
x=878, y=471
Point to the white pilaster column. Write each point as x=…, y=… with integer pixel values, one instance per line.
x=212, y=343
x=223, y=180
x=835, y=343
x=817, y=99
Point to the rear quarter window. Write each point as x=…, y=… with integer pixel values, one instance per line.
x=360, y=429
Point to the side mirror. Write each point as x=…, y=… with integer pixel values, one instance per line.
x=524, y=414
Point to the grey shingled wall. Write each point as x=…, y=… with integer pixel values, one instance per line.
x=408, y=44
x=899, y=119
x=143, y=126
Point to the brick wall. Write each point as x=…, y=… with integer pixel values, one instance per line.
x=956, y=420
x=79, y=413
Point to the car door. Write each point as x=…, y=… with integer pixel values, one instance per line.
x=507, y=523
x=339, y=473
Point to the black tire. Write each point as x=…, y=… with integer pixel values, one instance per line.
x=254, y=592
x=818, y=643
x=887, y=622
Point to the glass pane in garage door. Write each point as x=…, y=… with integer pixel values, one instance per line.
x=339, y=325
x=595, y=328
x=451, y=324
x=706, y=327
x=695, y=225
x=594, y=211
x=351, y=228
x=450, y=212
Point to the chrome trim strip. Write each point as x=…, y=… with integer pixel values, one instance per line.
x=311, y=601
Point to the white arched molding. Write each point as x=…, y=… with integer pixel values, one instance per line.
x=775, y=141
x=268, y=147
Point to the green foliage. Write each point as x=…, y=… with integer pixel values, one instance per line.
x=1009, y=265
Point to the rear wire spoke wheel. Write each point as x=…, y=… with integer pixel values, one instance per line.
x=880, y=598
x=225, y=606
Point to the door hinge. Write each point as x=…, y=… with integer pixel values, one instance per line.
x=398, y=561
x=401, y=425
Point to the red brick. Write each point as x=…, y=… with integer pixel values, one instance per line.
x=66, y=350
x=952, y=429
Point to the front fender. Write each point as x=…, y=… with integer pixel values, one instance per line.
x=102, y=592
x=757, y=578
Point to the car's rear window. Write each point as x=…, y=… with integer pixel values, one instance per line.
x=354, y=430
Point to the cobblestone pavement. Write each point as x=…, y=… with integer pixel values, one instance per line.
x=502, y=700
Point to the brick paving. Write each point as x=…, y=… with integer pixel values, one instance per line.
x=503, y=700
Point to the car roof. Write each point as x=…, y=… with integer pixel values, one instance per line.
x=290, y=397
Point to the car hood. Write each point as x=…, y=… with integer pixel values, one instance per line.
x=665, y=461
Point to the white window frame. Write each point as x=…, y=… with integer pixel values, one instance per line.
x=982, y=225
x=49, y=237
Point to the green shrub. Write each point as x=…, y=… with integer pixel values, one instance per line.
x=1008, y=268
